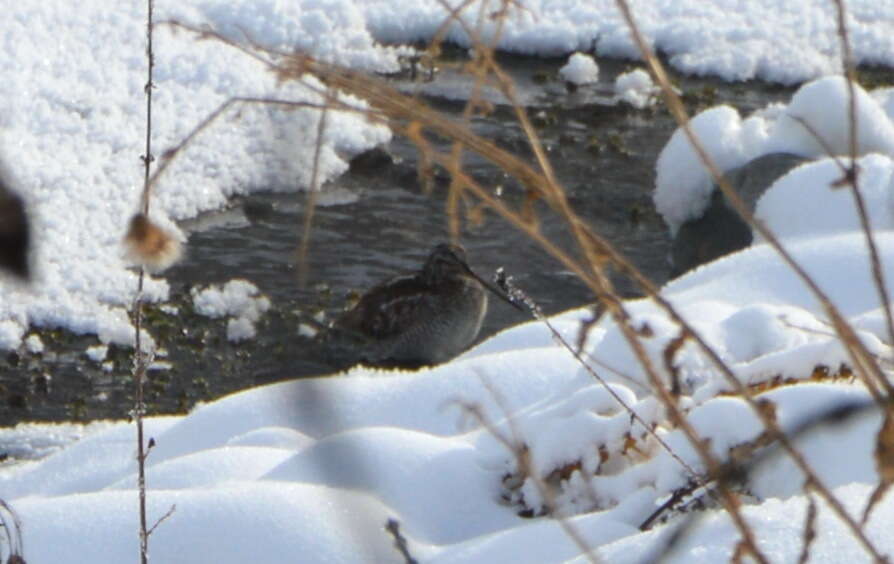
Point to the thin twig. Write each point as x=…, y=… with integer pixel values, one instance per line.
x=860, y=356
x=479, y=71
x=400, y=542
x=809, y=534
x=394, y=107
x=823, y=143
x=139, y=358
x=162, y=519
x=516, y=446
x=630, y=411
x=13, y=532
x=852, y=175
x=314, y=189
x=603, y=287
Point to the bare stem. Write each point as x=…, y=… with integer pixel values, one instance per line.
x=407, y=115
x=861, y=358
x=313, y=189
x=139, y=359
x=851, y=176
x=515, y=445
x=400, y=542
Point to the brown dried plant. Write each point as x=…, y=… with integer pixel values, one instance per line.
x=865, y=364
x=592, y=255
x=513, y=442
x=407, y=116
x=152, y=248
x=12, y=530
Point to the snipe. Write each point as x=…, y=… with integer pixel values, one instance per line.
x=414, y=320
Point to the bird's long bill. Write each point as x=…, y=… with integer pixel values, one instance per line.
x=497, y=291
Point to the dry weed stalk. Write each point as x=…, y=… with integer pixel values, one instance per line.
x=400, y=542
x=516, y=446
x=478, y=69
x=409, y=117
x=140, y=362
x=314, y=189
x=154, y=249
x=809, y=530
x=578, y=355
x=851, y=174
x=865, y=365
x=12, y=527
x=863, y=362
x=884, y=462
x=884, y=448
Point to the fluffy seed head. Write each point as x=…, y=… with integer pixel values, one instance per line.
x=150, y=245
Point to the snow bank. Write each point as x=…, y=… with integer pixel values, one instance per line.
x=71, y=132
x=313, y=469
x=726, y=38
x=683, y=186
x=320, y=465
x=71, y=110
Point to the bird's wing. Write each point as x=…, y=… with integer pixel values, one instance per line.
x=389, y=309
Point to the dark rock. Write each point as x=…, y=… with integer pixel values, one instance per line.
x=753, y=178
x=41, y=383
x=372, y=161
x=256, y=210
x=720, y=231
x=17, y=401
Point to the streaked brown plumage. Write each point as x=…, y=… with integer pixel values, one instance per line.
x=414, y=320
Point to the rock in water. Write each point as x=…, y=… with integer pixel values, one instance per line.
x=720, y=231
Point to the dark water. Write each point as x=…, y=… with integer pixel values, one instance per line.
x=374, y=222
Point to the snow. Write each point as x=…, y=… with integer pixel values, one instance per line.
x=636, y=88
x=825, y=208
x=72, y=118
x=683, y=186
x=33, y=441
x=238, y=299
x=778, y=527
x=322, y=464
x=240, y=329
x=97, y=353
x=34, y=345
x=335, y=458
x=726, y=38
x=71, y=110
x=580, y=69
x=306, y=330
x=313, y=469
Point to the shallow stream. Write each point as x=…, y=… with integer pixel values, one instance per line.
x=374, y=222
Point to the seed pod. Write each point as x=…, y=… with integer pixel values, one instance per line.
x=149, y=245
